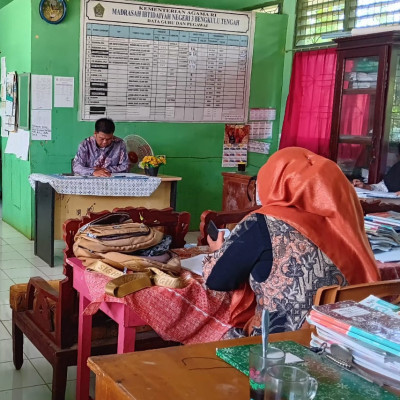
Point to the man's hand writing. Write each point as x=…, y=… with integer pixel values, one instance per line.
x=102, y=172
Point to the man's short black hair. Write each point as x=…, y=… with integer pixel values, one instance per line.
x=105, y=125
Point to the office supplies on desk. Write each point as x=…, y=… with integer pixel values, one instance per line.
x=334, y=382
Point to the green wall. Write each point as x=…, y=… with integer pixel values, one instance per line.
x=193, y=150
x=15, y=45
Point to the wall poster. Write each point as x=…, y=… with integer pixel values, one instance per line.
x=236, y=141
x=155, y=62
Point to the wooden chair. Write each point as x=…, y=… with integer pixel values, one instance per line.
x=46, y=312
x=388, y=290
x=222, y=219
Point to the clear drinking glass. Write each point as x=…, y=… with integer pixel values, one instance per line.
x=287, y=382
x=258, y=366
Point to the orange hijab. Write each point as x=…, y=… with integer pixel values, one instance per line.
x=311, y=194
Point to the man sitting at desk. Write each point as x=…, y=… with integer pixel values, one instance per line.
x=101, y=154
x=390, y=182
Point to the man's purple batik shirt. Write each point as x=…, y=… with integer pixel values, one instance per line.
x=114, y=157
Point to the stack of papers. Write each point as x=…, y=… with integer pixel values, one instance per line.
x=383, y=231
x=366, y=194
x=369, y=331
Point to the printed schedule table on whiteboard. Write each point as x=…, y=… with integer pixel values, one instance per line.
x=152, y=62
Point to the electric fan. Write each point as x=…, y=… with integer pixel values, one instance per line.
x=137, y=148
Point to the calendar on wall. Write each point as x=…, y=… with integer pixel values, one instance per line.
x=154, y=62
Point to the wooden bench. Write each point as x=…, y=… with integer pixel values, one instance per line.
x=46, y=312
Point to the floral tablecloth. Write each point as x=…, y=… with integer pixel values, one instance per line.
x=131, y=185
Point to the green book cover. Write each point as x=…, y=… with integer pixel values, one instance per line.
x=334, y=382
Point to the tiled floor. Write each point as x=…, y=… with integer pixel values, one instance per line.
x=17, y=265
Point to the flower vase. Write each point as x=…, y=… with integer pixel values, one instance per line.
x=151, y=171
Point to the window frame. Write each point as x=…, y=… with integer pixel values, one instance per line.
x=349, y=22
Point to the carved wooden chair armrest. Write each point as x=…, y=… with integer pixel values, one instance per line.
x=42, y=299
x=222, y=219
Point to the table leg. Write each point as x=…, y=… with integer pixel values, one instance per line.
x=126, y=339
x=84, y=348
x=172, y=196
x=44, y=222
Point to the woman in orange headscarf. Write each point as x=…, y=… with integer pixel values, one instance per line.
x=308, y=233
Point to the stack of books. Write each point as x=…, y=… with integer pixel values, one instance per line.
x=383, y=231
x=364, y=337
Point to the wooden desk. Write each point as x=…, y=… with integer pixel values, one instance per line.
x=373, y=205
x=192, y=372
x=53, y=209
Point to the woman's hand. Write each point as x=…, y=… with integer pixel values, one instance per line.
x=216, y=244
x=360, y=184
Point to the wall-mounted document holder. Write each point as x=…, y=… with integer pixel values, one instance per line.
x=24, y=90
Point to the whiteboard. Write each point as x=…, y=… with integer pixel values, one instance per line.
x=152, y=62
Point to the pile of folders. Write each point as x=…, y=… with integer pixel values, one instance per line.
x=383, y=230
x=361, y=336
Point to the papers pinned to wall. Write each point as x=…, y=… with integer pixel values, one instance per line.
x=3, y=77
x=259, y=147
x=41, y=125
x=261, y=124
x=4, y=133
x=42, y=87
x=18, y=144
x=236, y=140
x=3, y=80
x=261, y=130
x=63, y=91
x=262, y=114
x=10, y=102
x=42, y=98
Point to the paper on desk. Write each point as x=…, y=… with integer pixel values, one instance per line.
x=388, y=256
x=128, y=175
x=194, y=264
x=384, y=195
x=363, y=194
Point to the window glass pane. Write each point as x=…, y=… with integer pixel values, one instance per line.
x=330, y=18
x=394, y=132
x=359, y=93
x=354, y=160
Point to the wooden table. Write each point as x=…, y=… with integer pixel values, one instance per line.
x=375, y=204
x=192, y=372
x=53, y=209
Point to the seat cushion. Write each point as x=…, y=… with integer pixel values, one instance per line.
x=18, y=296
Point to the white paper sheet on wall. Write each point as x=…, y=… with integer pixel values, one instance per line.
x=4, y=133
x=259, y=147
x=41, y=125
x=3, y=75
x=63, y=91
x=18, y=144
x=42, y=96
x=260, y=114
